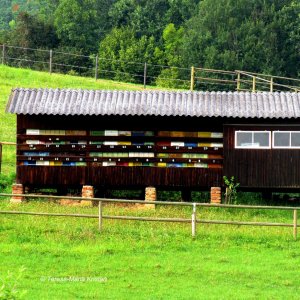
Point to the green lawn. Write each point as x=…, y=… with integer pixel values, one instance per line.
x=139, y=260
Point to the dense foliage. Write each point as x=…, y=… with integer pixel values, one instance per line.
x=260, y=35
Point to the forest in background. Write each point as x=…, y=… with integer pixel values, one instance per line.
x=260, y=36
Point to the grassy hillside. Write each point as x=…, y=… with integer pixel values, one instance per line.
x=14, y=77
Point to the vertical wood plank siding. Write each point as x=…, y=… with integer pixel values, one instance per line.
x=118, y=176
x=261, y=168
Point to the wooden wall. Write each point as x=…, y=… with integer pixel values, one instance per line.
x=123, y=177
x=115, y=176
x=262, y=168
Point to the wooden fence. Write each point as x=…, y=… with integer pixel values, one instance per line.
x=242, y=80
x=193, y=220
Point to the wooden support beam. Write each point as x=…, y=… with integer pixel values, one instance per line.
x=192, y=78
x=96, y=67
x=295, y=224
x=100, y=215
x=194, y=221
x=271, y=85
x=253, y=84
x=238, y=82
x=145, y=75
x=50, y=61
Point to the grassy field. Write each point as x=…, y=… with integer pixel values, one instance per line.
x=67, y=258
x=137, y=260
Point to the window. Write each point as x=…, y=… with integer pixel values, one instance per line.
x=253, y=139
x=286, y=139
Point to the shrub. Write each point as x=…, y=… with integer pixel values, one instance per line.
x=231, y=189
x=6, y=181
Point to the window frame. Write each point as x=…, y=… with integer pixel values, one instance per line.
x=252, y=132
x=284, y=147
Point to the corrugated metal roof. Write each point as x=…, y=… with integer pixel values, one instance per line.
x=156, y=103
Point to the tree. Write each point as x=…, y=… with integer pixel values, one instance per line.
x=76, y=24
x=230, y=34
x=122, y=55
x=180, y=11
x=173, y=42
x=172, y=47
x=6, y=14
x=104, y=24
x=289, y=33
x=43, y=9
x=151, y=17
x=30, y=32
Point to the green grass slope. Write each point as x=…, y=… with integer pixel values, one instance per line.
x=15, y=77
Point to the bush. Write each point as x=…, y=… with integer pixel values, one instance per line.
x=171, y=78
x=6, y=181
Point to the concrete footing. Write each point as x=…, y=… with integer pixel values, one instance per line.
x=215, y=195
x=17, y=189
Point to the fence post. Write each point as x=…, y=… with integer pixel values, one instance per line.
x=96, y=67
x=100, y=215
x=145, y=75
x=192, y=78
x=0, y=156
x=3, y=54
x=254, y=84
x=50, y=61
x=238, y=82
x=194, y=220
x=271, y=84
x=295, y=224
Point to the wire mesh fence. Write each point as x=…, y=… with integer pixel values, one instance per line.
x=37, y=59
x=143, y=73
x=53, y=61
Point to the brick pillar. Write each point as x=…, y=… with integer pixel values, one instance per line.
x=150, y=195
x=215, y=195
x=17, y=189
x=87, y=192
